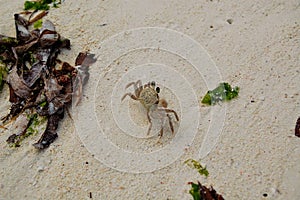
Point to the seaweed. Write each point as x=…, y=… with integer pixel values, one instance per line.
x=41, y=4
x=201, y=192
x=31, y=126
x=38, y=24
x=38, y=81
x=297, y=128
x=195, y=191
x=195, y=164
x=3, y=74
x=224, y=92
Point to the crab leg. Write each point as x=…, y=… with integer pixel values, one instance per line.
x=131, y=95
x=139, y=82
x=138, y=88
x=170, y=123
x=161, y=132
x=129, y=84
x=150, y=126
x=170, y=111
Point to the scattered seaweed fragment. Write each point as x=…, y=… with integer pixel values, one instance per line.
x=28, y=125
x=297, y=128
x=38, y=81
x=3, y=74
x=38, y=24
x=201, y=192
x=41, y=4
x=224, y=92
x=195, y=164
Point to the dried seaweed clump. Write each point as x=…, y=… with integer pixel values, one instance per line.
x=201, y=192
x=39, y=83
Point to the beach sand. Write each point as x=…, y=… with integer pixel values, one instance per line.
x=253, y=44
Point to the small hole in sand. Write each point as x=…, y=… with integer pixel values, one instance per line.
x=229, y=21
x=265, y=195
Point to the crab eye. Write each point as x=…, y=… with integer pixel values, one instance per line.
x=152, y=83
x=157, y=89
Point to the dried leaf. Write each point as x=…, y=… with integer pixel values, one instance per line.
x=48, y=35
x=18, y=84
x=37, y=16
x=52, y=88
x=23, y=34
x=42, y=56
x=34, y=82
x=83, y=61
x=50, y=133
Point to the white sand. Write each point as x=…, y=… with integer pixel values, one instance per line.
x=257, y=152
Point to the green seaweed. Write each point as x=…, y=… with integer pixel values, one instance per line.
x=194, y=191
x=201, y=192
x=3, y=74
x=195, y=164
x=38, y=24
x=8, y=40
x=224, y=92
x=34, y=122
x=6, y=43
x=41, y=5
x=43, y=104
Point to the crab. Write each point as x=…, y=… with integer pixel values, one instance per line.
x=147, y=95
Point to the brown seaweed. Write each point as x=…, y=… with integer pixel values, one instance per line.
x=20, y=126
x=297, y=128
x=50, y=133
x=34, y=78
x=201, y=192
x=83, y=61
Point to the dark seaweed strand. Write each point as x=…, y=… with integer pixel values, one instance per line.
x=297, y=128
